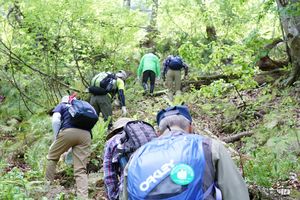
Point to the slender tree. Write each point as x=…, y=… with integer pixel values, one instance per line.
x=127, y=3
x=290, y=20
x=151, y=29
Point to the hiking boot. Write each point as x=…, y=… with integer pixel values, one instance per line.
x=151, y=89
x=145, y=86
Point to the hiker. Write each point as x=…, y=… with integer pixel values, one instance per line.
x=172, y=73
x=75, y=133
x=116, y=153
x=103, y=88
x=182, y=165
x=150, y=68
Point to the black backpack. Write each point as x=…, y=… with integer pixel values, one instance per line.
x=134, y=135
x=83, y=114
x=102, y=83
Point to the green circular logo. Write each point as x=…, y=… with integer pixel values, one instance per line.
x=182, y=174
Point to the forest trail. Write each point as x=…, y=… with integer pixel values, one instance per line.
x=205, y=125
x=209, y=123
x=243, y=83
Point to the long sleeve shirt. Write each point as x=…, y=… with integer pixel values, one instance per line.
x=149, y=62
x=113, y=175
x=56, y=123
x=121, y=89
x=229, y=180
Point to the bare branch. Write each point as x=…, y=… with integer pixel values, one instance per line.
x=84, y=82
x=17, y=58
x=237, y=136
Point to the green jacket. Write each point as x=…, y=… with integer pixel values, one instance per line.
x=149, y=62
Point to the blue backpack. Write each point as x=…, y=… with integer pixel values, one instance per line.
x=175, y=63
x=83, y=114
x=151, y=169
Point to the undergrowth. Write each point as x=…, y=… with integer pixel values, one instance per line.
x=269, y=156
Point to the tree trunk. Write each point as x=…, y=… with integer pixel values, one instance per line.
x=127, y=3
x=152, y=32
x=153, y=20
x=290, y=20
x=266, y=63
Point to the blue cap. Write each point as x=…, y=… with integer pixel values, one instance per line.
x=174, y=110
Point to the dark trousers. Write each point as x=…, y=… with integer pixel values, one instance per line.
x=102, y=104
x=148, y=74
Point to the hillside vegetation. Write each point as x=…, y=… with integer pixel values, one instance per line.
x=241, y=89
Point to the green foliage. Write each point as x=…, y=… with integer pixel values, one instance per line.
x=64, y=41
x=272, y=153
x=35, y=156
x=291, y=9
x=216, y=89
x=99, y=134
x=265, y=167
x=51, y=48
x=274, y=149
x=15, y=185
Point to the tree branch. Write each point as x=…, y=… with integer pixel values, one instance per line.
x=84, y=82
x=236, y=137
x=17, y=58
x=20, y=92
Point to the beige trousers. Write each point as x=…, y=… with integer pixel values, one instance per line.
x=80, y=141
x=173, y=83
x=173, y=80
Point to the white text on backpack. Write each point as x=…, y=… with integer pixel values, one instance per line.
x=165, y=168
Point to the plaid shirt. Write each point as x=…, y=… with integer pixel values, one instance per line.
x=113, y=175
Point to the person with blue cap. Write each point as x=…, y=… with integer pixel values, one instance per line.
x=181, y=164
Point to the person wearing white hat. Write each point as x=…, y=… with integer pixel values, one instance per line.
x=113, y=175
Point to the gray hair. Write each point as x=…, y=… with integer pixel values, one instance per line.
x=173, y=120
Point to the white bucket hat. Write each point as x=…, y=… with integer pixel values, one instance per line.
x=121, y=74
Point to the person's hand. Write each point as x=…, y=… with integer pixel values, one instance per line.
x=124, y=111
